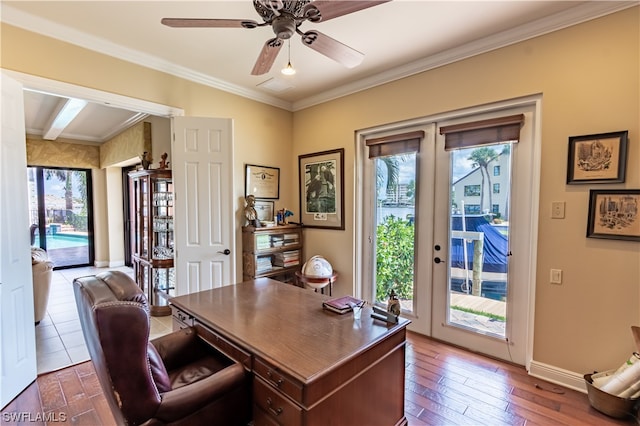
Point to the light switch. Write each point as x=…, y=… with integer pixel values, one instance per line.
x=556, y=276
x=557, y=210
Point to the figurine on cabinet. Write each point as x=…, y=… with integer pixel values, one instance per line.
x=250, y=211
x=146, y=160
x=164, y=164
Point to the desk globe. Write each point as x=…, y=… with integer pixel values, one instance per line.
x=317, y=273
x=317, y=267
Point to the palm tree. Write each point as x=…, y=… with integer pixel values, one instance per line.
x=481, y=157
x=63, y=176
x=388, y=167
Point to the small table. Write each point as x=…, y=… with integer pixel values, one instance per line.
x=317, y=283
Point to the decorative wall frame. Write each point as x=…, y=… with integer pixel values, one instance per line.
x=265, y=210
x=599, y=158
x=321, y=178
x=262, y=181
x=614, y=214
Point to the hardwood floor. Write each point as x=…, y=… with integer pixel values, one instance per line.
x=444, y=386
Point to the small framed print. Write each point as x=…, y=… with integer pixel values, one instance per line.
x=264, y=210
x=599, y=158
x=322, y=189
x=614, y=214
x=262, y=181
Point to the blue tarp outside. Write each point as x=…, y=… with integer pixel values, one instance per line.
x=496, y=245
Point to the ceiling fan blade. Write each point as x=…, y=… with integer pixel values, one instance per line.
x=208, y=23
x=267, y=56
x=323, y=10
x=333, y=49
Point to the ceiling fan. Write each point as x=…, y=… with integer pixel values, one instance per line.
x=285, y=18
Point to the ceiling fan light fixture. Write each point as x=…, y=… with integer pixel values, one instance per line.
x=289, y=69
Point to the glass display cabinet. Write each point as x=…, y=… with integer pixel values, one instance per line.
x=151, y=202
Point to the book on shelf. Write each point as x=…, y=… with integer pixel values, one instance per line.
x=341, y=305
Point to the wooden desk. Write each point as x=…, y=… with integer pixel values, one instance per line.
x=310, y=366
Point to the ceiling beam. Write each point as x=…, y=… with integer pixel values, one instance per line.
x=66, y=111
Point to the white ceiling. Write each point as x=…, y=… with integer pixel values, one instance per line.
x=398, y=38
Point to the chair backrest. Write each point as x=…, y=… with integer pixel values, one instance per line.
x=115, y=322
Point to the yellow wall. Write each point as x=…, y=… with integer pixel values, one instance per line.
x=588, y=76
x=589, y=79
x=262, y=133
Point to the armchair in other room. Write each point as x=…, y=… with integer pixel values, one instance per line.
x=175, y=379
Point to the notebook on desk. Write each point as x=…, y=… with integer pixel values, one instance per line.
x=342, y=304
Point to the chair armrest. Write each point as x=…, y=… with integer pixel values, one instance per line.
x=188, y=399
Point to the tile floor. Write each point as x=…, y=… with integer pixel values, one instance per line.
x=59, y=339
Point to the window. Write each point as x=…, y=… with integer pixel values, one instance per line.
x=495, y=209
x=496, y=188
x=472, y=209
x=496, y=170
x=472, y=190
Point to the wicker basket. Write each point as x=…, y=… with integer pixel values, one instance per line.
x=608, y=404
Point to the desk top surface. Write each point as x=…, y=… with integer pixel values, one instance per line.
x=286, y=325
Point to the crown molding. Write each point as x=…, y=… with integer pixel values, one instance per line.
x=54, y=30
x=576, y=15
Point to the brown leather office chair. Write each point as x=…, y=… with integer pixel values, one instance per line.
x=175, y=379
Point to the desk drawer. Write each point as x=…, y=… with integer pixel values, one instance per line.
x=230, y=349
x=180, y=319
x=279, y=380
x=274, y=406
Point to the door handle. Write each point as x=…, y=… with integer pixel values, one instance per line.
x=438, y=260
x=225, y=251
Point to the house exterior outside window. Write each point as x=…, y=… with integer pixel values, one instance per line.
x=472, y=190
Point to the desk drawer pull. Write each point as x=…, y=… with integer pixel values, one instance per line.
x=276, y=383
x=274, y=411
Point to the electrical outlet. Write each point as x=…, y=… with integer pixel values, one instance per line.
x=556, y=276
x=557, y=210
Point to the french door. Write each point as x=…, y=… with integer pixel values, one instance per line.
x=61, y=214
x=474, y=235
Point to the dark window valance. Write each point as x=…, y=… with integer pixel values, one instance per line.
x=482, y=132
x=403, y=143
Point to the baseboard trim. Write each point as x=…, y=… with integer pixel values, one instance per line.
x=101, y=263
x=116, y=264
x=559, y=376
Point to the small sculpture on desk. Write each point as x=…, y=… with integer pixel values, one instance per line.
x=164, y=164
x=250, y=211
x=393, y=305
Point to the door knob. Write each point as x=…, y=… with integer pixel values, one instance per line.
x=438, y=260
x=225, y=251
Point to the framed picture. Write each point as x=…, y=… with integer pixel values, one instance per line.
x=597, y=158
x=614, y=214
x=262, y=181
x=322, y=189
x=264, y=210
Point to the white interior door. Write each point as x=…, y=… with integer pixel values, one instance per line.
x=18, y=343
x=202, y=153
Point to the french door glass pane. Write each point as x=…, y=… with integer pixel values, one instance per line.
x=395, y=228
x=479, y=229
x=60, y=215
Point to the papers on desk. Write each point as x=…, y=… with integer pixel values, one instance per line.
x=341, y=305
